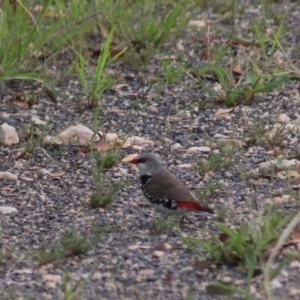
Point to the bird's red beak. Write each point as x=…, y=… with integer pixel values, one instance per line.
x=134, y=161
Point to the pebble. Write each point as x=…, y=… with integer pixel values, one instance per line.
x=97, y=275
x=184, y=166
x=176, y=146
x=295, y=264
x=276, y=284
x=294, y=292
x=158, y=254
x=199, y=149
x=167, y=246
x=283, y=118
x=37, y=120
x=7, y=210
x=8, y=135
x=282, y=163
x=8, y=176
x=226, y=279
x=52, y=277
x=50, y=285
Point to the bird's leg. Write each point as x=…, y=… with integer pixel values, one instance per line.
x=182, y=219
x=166, y=217
x=185, y=218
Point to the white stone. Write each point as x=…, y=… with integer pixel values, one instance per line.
x=295, y=264
x=184, y=166
x=138, y=148
x=37, y=120
x=110, y=136
x=283, y=118
x=8, y=135
x=136, y=140
x=158, y=254
x=78, y=134
x=8, y=176
x=279, y=163
x=275, y=283
x=176, y=146
x=198, y=149
x=167, y=246
x=7, y=209
x=52, y=277
x=184, y=114
x=4, y=115
x=97, y=275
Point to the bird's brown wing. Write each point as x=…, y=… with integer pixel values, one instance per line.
x=165, y=185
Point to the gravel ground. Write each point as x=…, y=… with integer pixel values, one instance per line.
x=130, y=260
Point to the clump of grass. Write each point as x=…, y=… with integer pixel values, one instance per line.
x=232, y=93
x=221, y=157
x=71, y=244
x=213, y=163
x=143, y=26
x=74, y=243
x=171, y=71
x=101, y=80
x=106, y=194
x=3, y=257
x=46, y=254
x=34, y=139
x=103, y=229
x=162, y=226
x=245, y=245
x=270, y=135
x=105, y=190
x=108, y=159
x=208, y=190
x=69, y=292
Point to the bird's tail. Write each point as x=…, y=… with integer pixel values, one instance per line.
x=194, y=206
x=207, y=209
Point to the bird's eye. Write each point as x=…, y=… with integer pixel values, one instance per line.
x=142, y=160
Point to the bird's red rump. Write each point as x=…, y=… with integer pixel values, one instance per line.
x=190, y=205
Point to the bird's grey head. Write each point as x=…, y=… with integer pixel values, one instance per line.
x=147, y=163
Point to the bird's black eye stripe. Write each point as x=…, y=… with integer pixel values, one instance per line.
x=142, y=160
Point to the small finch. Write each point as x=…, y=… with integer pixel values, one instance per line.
x=165, y=192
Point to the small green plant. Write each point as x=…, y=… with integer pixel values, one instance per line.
x=74, y=243
x=164, y=225
x=34, y=139
x=244, y=245
x=46, y=254
x=208, y=190
x=277, y=134
x=214, y=162
x=55, y=150
x=105, y=191
x=222, y=157
x=101, y=80
x=71, y=244
x=104, y=194
x=71, y=293
x=229, y=290
x=171, y=72
x=3, y=257
x=103, y=229
x=271, y=135
x=144, y=25
x=232, y=93
x=107, y=160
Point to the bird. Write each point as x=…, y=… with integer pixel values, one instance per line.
x=163, y=190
